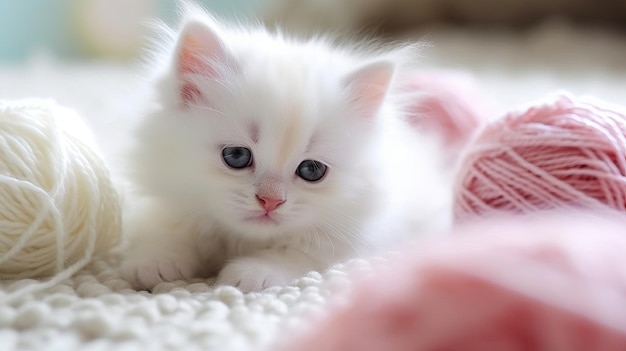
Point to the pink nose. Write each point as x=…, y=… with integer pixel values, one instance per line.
x=268, y=203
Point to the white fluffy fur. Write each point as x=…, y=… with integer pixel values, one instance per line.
x=306, y=98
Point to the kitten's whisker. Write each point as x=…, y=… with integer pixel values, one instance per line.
x=319, y=239
x=206, y=108
x=347, y=230
x=339, y=232
x=349, y=221
x=346, y=222
x=330, y=241
x=308, y=245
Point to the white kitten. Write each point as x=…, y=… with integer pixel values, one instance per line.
x=266, y=158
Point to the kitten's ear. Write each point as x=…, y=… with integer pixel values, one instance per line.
x=368, y=86
x=200, y=52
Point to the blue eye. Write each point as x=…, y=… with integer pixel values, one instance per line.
x=237, y=157
x=311, y=170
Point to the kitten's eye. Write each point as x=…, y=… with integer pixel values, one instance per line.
x=311, y=170
x=237, y=157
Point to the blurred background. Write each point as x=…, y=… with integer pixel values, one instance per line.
x=112, y=29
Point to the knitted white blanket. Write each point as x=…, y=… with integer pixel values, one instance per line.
x=96, y=310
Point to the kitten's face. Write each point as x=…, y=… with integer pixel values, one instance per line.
x=271, y=145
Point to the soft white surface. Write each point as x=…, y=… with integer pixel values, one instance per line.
x=97, y=311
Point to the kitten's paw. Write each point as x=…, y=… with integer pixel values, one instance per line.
x=148, y=272
x=249, y=274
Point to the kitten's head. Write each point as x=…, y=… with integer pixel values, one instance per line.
x=263, y=135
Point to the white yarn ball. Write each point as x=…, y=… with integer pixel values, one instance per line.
x=58, y=206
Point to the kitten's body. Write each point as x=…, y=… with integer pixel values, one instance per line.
x=286, y=102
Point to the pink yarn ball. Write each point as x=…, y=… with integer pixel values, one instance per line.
x=565, y=153
x=450, y=105
x=553, y=283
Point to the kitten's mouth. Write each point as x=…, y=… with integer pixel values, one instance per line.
x=266, y=218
